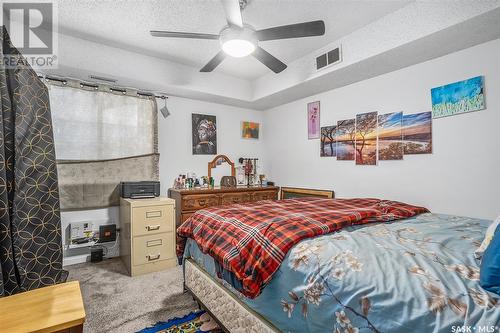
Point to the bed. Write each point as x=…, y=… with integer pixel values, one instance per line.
x=415, y=274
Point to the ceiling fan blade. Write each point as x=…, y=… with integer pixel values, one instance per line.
x=214, y=62
x=174, y=34
x=269, y=60
x=233, y=12
x=306, y=29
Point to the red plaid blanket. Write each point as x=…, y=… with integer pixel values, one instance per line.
x=251, y=240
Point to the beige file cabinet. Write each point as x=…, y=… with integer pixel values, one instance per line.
x=147, y=237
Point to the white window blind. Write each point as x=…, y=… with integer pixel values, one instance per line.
x=95, y=125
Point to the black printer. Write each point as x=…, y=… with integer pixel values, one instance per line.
x=137, y=190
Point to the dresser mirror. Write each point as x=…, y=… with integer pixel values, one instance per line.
x=219, y=167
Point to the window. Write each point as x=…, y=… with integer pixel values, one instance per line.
x=101, y=138
x=96, y=125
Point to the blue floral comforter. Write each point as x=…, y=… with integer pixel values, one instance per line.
x=413, y=275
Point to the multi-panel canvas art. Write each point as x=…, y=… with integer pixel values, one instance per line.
x=371, y=137
x=417, y=133
x=313, y=127
x=250, y=130
x=366, y=138
x=328, y=141
x=390, y=136
x=458, y=97
x=346, y=137
x=204, y=133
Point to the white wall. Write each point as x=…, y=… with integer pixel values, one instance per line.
x=461, y=177
x=174, y=138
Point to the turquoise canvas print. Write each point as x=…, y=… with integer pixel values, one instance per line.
x=458, y=97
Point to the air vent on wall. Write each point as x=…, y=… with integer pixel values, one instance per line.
x=330, y=58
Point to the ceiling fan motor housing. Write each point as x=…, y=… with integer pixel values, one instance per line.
x=232, y=32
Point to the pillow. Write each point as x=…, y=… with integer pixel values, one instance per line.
x=487, y=238
x=489, y=275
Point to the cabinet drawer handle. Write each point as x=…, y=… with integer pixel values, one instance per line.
x=152, y=258
x=153, y=227
x=202, y=202
x=155, y=242
x=156, y=213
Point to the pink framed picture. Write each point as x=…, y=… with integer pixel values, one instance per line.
x=313, y=128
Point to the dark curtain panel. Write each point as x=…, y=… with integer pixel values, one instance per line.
x=30, y=225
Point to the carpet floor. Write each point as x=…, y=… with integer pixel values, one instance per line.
x=116, y=302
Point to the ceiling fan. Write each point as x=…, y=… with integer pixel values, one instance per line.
x=239, y=40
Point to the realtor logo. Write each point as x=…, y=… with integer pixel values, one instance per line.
x=32, y=29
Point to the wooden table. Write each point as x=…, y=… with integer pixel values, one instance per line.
x=57, y=308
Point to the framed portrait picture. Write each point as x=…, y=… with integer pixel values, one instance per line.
x=204, y=134
x=313, y=128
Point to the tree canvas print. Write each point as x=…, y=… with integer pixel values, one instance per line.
x=328, y=143
x=204, y=134
x=366, y=138
x=313, y=111
x=250, y=130
x=390, y=136
x=346, y=136
x=458, y=97
x=417, y=133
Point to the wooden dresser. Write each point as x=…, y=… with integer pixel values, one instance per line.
x=147, y=239
x=189, y=201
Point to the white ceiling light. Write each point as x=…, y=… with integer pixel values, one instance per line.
x=238, y=42
x=238, y=48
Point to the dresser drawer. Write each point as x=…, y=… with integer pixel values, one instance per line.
x=195, y=202
x=264, y=195
x=152, y=220
x=153, y=248
x=234, y=198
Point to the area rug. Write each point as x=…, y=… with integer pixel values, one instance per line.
x=192, y=323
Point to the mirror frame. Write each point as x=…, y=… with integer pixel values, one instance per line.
x=213, y=164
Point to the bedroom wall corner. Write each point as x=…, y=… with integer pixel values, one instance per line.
x=461, y=176
x=175, y=141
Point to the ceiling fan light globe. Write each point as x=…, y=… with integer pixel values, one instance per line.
x=238, y=48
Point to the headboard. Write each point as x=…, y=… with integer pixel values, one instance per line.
x=294, y=192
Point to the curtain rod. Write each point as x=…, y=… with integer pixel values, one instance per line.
x=64, y=81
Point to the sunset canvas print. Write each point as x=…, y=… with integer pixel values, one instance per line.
x=417, y=133
x=366, y=138
x=390, y=136
x=313, y=112
x=328, y=143
x=346, y=136
x=458, y=97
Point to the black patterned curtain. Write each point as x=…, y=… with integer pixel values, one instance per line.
x=30, y=227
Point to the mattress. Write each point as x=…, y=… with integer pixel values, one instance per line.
x=413, y=275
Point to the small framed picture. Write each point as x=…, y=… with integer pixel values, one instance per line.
x=313, y=129
x=204, y=133
x=250, y=130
